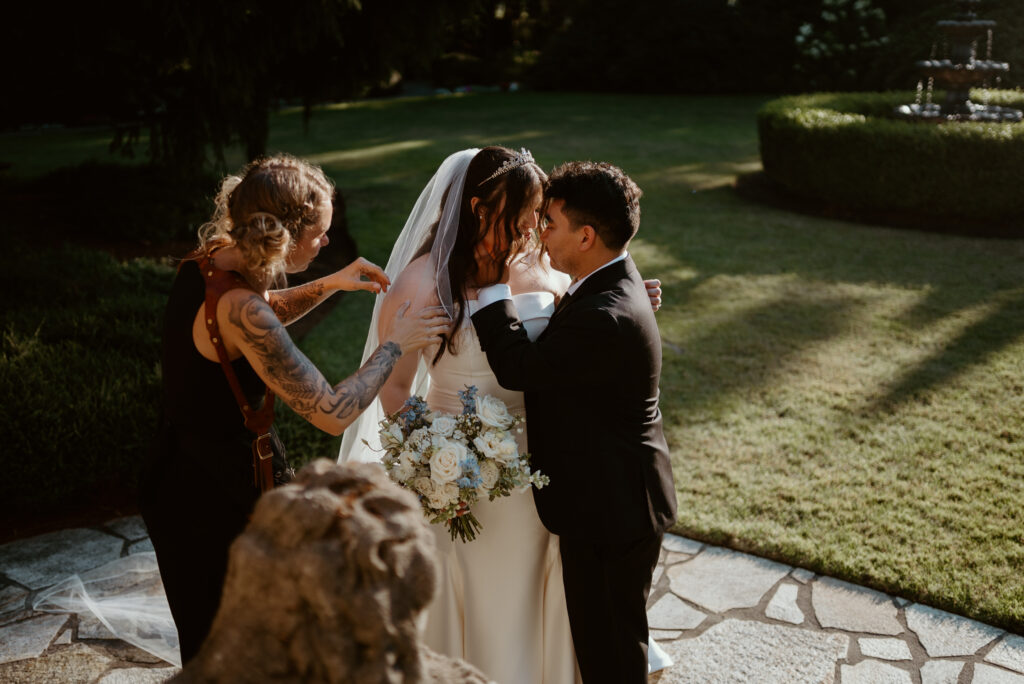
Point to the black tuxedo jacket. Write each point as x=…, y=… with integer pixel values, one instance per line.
x=593, y=422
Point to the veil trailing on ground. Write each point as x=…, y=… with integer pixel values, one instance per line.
x=438, y=203
x=127, y=597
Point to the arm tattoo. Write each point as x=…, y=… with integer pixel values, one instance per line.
x=292, y=304
x=298, y=381
x=356, y=392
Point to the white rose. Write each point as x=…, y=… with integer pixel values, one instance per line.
x=451, y=493
x=405, y=470
x=392, y=437
x=487, y=444
x=419, y=438
x=443, y=425
x=438, y=441
x=412, y=456
x=508, y=450
x=488, y=475
x=492, y=445
x=443, y=496
x=492, y=412
x=444, y=464
x=423, y=485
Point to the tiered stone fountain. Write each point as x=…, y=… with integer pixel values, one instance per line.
x=961, y=72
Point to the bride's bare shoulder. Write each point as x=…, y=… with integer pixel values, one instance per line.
x=415, y=283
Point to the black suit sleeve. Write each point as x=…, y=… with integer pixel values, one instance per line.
x=572, y=352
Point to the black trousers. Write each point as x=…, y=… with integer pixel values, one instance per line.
x=606, y=590
x=192, y=520
x=192, y=554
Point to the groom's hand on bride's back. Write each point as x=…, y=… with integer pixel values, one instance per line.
x=413, y=331
x=654, y=292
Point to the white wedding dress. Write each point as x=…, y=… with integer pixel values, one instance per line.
x=500, y=603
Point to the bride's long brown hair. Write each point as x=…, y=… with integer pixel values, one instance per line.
x=503, y=198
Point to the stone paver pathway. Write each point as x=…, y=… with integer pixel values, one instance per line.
x=38, y=647
x=723, y=616
x=726, y=616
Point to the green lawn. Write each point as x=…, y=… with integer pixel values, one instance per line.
x=845, y=398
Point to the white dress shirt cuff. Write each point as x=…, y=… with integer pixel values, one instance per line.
x=492, y=293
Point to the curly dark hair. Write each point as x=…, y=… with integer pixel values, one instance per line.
x=597, y=194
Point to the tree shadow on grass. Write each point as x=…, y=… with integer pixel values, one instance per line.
x=952, y=275
x=736, y=356
x=1000, y=328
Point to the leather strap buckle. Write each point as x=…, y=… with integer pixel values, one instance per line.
x=262, y=462
x=263, y=446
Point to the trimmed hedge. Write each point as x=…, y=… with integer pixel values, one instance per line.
x=847, y=150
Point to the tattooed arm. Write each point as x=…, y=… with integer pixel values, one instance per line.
x=292, y=304
x=249, y=325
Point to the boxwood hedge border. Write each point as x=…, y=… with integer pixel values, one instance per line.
x=848, y=151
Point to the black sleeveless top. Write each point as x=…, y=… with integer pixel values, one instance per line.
x=202, y=444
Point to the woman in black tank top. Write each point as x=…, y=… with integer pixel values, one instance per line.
x=198, y=486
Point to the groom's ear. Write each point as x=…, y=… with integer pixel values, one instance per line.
x=587, y=237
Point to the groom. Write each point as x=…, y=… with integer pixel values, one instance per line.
x=594, y=426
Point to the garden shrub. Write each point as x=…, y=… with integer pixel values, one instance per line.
x=79, y=374
x=833, y=48
x=80, y=379
x=849, y=151
x=117, y=202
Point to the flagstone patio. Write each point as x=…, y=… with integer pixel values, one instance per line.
x=723, y=616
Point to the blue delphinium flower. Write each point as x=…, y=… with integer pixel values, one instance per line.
x=413, y=410
x=468, y=397
x=470, y=471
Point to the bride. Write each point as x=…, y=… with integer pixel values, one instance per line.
x=500, y=602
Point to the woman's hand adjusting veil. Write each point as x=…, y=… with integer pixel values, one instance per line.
x=361, y=275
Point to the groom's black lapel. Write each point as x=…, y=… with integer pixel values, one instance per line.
x=599, y=281
x=562, y=303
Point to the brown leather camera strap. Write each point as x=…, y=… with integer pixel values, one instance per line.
x=258, y=420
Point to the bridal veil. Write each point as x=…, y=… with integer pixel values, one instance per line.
x=439, y=204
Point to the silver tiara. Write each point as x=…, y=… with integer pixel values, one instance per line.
x=519, y=158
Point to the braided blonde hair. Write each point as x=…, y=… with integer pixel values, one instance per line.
x=263, y=211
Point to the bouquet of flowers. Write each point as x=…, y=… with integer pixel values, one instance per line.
x=450, y=461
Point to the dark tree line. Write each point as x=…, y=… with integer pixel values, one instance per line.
x=751, y=46
x=193, y=76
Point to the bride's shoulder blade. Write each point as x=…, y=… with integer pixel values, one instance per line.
x=414, y=284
